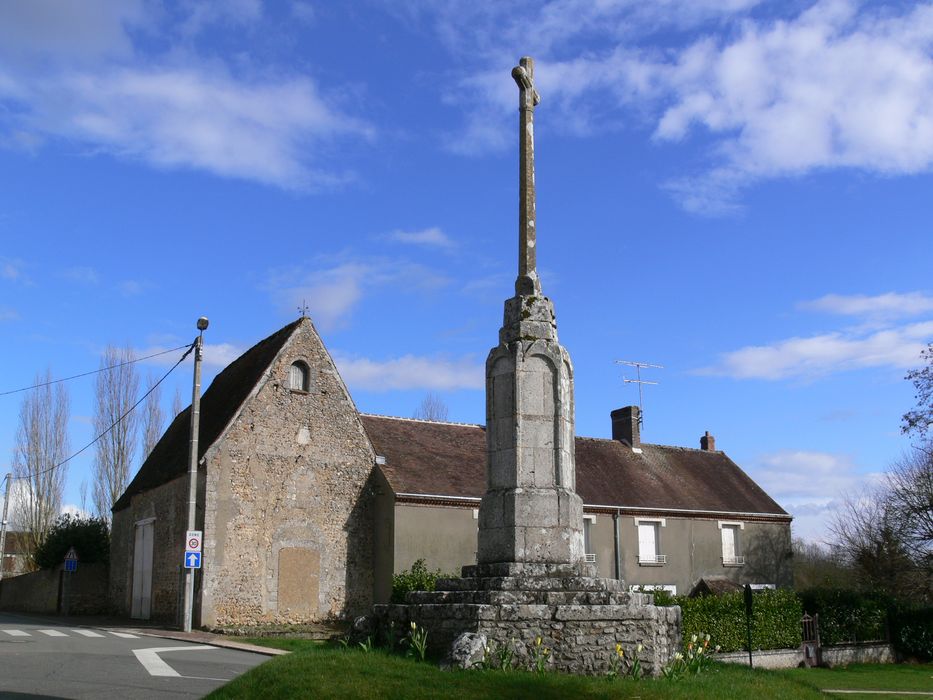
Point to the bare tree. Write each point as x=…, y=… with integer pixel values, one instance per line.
x=153, y=418
x=909, y=485
x=177, y=406
x=919, y=420
x=871, y=536
x=114, y=393
x=817, y=564
x=432, y=407
x=41, y=445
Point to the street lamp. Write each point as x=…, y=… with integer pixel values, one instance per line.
x=193, y=463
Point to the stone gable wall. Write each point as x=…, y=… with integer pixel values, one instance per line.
x=288, y=524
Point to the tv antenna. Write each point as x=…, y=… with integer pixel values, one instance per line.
x=640, y=382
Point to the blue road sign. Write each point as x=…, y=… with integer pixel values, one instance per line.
x=192, y=560
x=71, y=565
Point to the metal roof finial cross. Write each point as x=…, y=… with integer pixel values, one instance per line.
x=303, y=309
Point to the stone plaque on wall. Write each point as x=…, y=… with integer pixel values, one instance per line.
x=299, y=580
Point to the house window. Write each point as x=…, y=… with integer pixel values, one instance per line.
x=731, y=555
x=649, y=542
x=589, y=522
x=299, y=377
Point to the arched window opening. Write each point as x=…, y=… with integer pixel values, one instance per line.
x=299, y=377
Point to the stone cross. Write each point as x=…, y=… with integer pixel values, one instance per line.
x=528, y=98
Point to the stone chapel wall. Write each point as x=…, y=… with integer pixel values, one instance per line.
x=288, y=525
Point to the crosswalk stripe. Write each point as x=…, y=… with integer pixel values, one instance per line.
x=124, y=635
x=88, y=633
x=53, y=633
x=17, y=633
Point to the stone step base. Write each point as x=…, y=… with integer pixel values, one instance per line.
x=526, y=597
x=512, y=569
x=521, y=582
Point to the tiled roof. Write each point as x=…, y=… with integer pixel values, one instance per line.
x=447, y=459
x=169, y=458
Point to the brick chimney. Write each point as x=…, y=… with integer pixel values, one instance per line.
x=625, y=426
x=708, y=442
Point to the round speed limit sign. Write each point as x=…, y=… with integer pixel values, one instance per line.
x=193, y=541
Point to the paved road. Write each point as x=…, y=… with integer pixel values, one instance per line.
x=48, y=658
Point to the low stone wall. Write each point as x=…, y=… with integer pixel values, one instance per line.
x=82, y=592
x=832, y=656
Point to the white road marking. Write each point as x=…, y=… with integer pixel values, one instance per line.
x=88, y=633
x=17, y=633
x=123, y=635
x=150, y=660
x=879, y=692
x=53, y=633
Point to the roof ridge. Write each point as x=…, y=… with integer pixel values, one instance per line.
x=422, y=420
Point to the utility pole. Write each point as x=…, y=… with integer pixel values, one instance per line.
x=193, y=464
x=6, y=508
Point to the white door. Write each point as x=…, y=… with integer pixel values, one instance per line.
x=142, y=571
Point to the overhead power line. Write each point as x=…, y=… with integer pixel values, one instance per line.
x=118, y=420
x=96, y=371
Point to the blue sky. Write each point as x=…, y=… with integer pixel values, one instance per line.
x=738, y=191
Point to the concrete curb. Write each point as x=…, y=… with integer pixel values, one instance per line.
x=215, y=640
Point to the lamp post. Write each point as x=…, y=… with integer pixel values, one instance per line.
x=193, y=464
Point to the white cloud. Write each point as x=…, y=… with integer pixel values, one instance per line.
x=75, y=31
x=823, y=354
x=100, y=89
x=427, y=237
x=131, y=288
x=889, y=305
x=833, y=87
x=332, y=293
x=215, y=355
x=75, y=511
x=410, y=372
x=12, y=269
x=237, y=12
x=82, y=275
x=840, y=84
x=810, y=485
x=8, y=314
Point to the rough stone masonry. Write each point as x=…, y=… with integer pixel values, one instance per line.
x=530, y=580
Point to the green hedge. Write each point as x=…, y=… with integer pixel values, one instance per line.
x=912, y=631
x=775, y=620
x=848, y=616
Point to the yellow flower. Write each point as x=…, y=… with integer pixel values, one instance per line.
x=638, y=649
x=538, y=642
x=618, y=647
x=693, y=638
x=414, y=626
x=707, y=637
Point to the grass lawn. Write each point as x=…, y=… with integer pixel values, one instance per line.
x=867, y=677
x=315, y=670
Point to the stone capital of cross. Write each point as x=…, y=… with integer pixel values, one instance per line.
x=524, y=74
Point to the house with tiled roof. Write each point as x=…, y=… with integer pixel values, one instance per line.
x=308, y=507
x=655, y=516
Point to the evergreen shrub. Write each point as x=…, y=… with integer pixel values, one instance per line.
x=417, y=578
x=89, y=536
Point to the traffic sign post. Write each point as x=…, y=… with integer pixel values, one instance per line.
x=71, y=560
x=193, y=540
